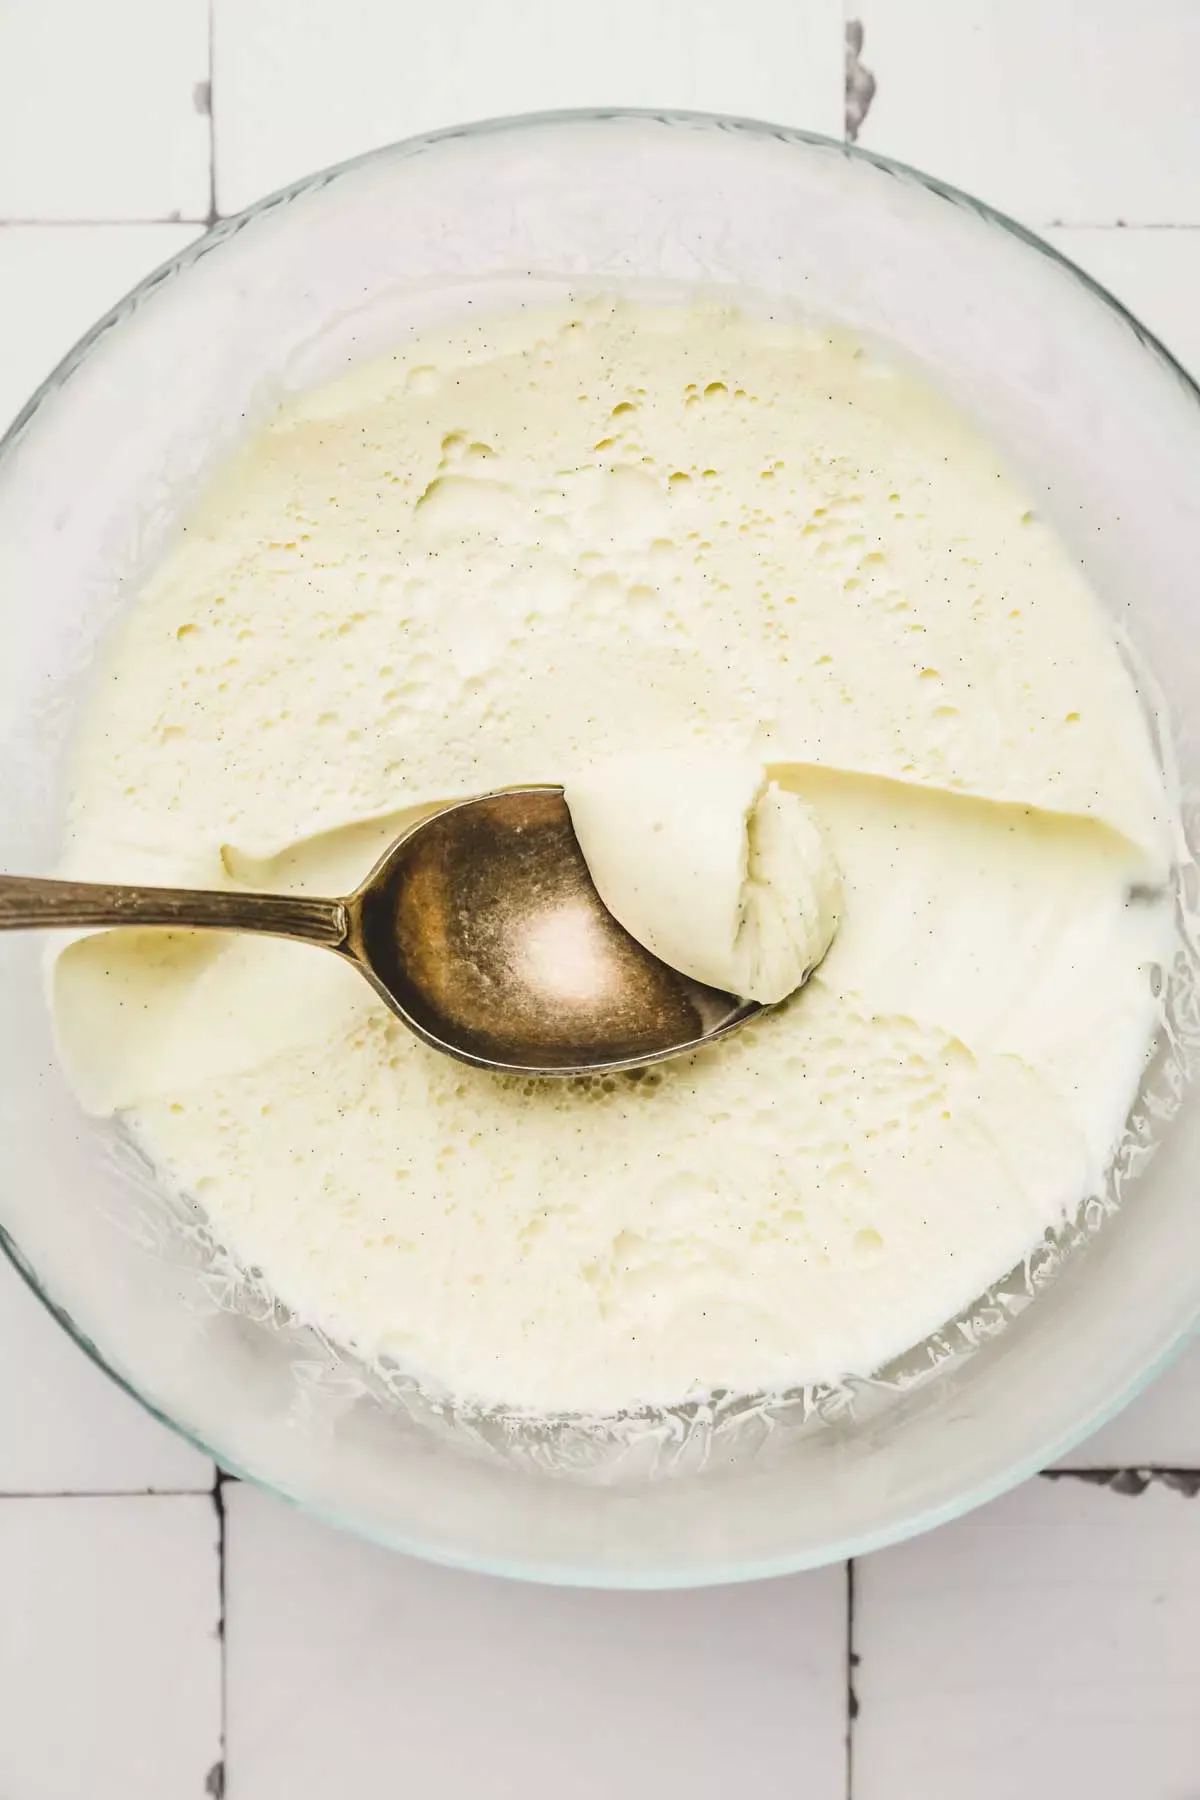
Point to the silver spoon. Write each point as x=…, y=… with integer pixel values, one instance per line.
x=481, y=929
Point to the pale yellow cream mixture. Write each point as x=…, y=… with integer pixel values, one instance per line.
x=685, y=562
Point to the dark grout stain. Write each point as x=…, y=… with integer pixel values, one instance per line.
x=215, y=1784
x=217, y=1495
x=852, y=1661
x=860, y=82
x=1132, y=1483
x=1181, y=1481
x=202, y=98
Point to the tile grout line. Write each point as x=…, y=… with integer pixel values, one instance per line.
x=1126, y=1477
x=19, y=221
x=858, y=81
x=196, y=1493
x=215, y=1781
x=213, y=214
x=852, y=1660
x=1133, y=1479
x=8, y=221
x=1132, y=226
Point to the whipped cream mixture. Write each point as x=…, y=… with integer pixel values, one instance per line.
x=828, y=700
x=721, y=872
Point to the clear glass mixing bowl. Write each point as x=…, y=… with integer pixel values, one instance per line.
x=93, y=476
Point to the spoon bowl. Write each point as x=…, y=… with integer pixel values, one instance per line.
x=483, y=930
x=480, y=927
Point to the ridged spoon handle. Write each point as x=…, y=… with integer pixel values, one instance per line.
x=28, y=903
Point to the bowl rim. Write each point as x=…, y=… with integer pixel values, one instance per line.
x=579, y=1575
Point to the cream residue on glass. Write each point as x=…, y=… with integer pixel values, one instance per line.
x=823, y=690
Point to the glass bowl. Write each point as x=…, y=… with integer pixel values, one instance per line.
x=93, y=476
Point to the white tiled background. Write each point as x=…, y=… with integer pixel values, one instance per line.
x=162, y=1638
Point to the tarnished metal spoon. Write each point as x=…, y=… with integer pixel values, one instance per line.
x=481, y=929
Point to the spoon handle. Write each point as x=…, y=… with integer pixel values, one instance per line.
x=29, y=903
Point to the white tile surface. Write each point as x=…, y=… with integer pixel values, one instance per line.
x=299, y=83
x=1044, y=1646
x=57, y=280
x=354, y=1671
x=1049, y=109
x=1156, y=274
x=102, y=109
x=65, y=1427
x=1159, y=1430
x=109, y=1655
